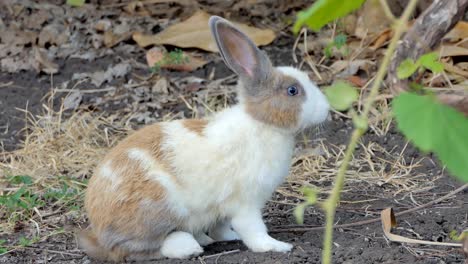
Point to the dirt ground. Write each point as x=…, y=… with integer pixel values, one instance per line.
x=362, y=200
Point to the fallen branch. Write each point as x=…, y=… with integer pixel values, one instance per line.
x=374, y=220
x=425, y=34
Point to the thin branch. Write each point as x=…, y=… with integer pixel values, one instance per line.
x=360, y=128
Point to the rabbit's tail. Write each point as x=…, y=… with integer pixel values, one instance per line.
x=88, y=242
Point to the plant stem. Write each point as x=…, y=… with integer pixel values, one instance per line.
x=332, y=201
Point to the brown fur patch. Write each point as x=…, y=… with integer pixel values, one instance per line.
x=272, y=104
x=119, y=212
x=195, y=125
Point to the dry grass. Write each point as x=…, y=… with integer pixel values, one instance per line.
x=55, y=145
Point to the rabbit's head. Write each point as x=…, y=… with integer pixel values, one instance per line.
x=284, y=97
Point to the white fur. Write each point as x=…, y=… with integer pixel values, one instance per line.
x=203, y=239
x=153, y=169
x=222, y=231
x=180, y=245
x=315, y=109
x=113, y=176
x=239, y=161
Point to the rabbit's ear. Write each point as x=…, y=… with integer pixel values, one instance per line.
x=239, y=52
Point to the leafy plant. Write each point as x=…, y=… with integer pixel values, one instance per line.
x=22, y=199
x=76, y=3
x=341, y=95
x=3, y=248
x=435, y=127
x=66, y=194
x=324, y=11
x=318, y=15
x=338, y=42
x=311, y=199
x=427, y=61
x=175, y=57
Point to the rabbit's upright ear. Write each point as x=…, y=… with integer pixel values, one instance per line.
x=239, y=52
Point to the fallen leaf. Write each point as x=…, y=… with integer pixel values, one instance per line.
x=42, y=63
x=452, y=51
x=102, y=25
x=458, y=32
x=344, y=68
x=72, y=100
x=381, y=39
x=161, y=86
x=99, y=77
x=388, y=221
x=195, y=33
x=357, y=81
x=111, y=39
x=371, y=20
x=157, y=56
x=136, y=8
x=53, y=34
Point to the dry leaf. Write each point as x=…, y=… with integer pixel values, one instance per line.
x=195, y=33
x=42, y=63
x=102, y=25
x=344, y=68
x=72, y=100
x=99, y=77
x=161, y=86
x=371, y=20
x=111, y=39
x=451, y=51
x=389, y=221
x=136, y=8
x=356, y=80
x=382, y=38
x=189, y=62
x=459, y=32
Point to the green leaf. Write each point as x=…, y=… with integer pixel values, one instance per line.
x=340, y=40
x=341, y=95
x=325, y=11
x=407, y=68
x=21, y=179
x=310, y=195
x=435, y=127
x=24, y=241
x=431, y=62
x=76, y=3
x=299, y=213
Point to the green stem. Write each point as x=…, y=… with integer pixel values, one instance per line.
x=332, y=201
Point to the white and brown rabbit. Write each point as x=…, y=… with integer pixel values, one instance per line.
x=173, y=187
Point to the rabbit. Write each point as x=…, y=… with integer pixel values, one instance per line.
x=171, y=188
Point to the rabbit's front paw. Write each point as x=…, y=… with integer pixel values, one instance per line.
x=269, y=244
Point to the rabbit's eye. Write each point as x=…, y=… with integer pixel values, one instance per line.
x=292, y=90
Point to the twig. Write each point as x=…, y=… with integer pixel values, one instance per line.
x=374, y=220
x=361, y=124
x=387, y=10
x=221, y=254
x=56, y=251
x=85, y=91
